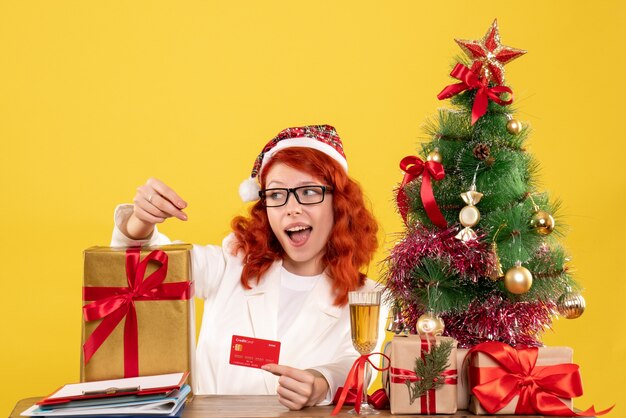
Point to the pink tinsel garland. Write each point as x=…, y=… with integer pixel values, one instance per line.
x=494, y=318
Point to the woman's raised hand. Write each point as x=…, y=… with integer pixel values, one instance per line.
x=154, y=203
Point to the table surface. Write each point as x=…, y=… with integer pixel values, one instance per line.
x=223, y=406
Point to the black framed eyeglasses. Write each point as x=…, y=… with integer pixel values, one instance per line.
x=305, y=195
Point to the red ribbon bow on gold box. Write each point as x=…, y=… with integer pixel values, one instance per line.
x=538, y=387
x=112, y=304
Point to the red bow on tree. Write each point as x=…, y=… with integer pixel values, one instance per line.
x=470, y=81
x=413, y=167
x=538, y=387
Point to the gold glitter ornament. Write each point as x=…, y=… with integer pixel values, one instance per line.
x=542, y=222
x=435, y=156
x=469, y=215
x=514, y=126
x=571, y=304
x=496, y=272
x=429, y=323
x=396, y=323
x=518, y=279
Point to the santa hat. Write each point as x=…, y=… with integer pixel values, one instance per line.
x=323, y=138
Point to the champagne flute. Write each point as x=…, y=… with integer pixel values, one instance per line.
x=364, y=312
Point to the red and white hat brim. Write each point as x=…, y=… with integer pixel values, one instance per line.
x=306, y=142
x=249, y=188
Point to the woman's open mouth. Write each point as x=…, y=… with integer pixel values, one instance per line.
x=298, y=235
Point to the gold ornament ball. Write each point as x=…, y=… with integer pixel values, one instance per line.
x=542, y=222
x=429, y=324
x=518, y=280
x=439, y=327
x=469, y=216
x=435, y=156
x=571, y=305
x=514, y=126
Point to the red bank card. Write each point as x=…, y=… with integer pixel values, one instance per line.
x=253, y=352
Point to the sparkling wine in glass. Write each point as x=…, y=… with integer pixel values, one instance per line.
x=364, y=313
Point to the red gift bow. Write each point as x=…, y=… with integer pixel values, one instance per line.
x=112, y=304
x=538, y=387
x=355, y=380
x=378, y=399
x=470, y=81
x=413, y=167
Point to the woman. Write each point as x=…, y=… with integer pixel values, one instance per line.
x=284, y=272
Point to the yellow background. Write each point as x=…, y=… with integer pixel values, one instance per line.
x=96, y=96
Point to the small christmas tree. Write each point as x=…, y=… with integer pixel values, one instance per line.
x=480, y=252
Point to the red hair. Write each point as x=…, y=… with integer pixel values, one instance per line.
x=352, y=242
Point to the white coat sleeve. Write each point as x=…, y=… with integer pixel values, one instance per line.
x=208, y=267
x=118, y=239
x=208, y=261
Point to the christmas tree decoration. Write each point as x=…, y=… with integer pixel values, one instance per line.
x=470, y=80
x=489, y=56
x=440, y=326
x=434, y=269
x=496, y=272
x=469, y=215
x=497, y=317
x=513, y=125
x=396, y=323
x=414, y=167
x=518, y=279
x=542, y=222
x=429, y=323
x=481, y=152
x=435, y=156
x=571, y=304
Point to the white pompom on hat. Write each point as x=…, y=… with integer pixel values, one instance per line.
x=323, y=138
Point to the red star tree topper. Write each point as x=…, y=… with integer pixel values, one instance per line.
x=489, y=55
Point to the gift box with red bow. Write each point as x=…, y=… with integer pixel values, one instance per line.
x=524, y=381
x=138, y=313
x=406, y=386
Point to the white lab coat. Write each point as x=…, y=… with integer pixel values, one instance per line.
x=318, y=338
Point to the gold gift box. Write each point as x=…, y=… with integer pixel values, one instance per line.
x=547, y=356
x=166, y=328
x=404, y=351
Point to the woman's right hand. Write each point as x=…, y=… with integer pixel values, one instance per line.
x=154, y=203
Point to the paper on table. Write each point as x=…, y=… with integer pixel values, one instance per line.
x=104, y=401
x=143, y=382
x=163, y=407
